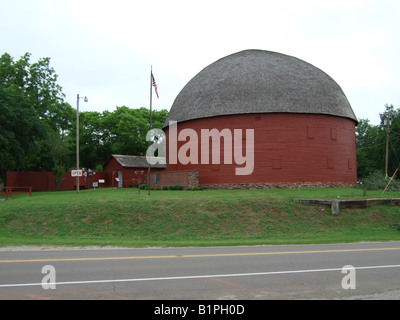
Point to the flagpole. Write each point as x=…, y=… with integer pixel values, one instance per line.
x=151, y=120
x=151, y=97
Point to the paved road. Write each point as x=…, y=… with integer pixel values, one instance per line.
x=246, y=273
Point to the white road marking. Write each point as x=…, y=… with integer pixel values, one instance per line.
x=194, y=277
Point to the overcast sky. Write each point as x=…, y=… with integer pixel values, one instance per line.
x=105, y=49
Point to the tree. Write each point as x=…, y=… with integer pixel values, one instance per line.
x=29, y=100
x=371, y=143
x=120, y=132
x=94, y=148
x=38, y=129
x=58, y=175
x=370, y=148
x=20, y=123
x=390, y=123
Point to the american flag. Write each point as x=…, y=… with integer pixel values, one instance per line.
x=154, y=84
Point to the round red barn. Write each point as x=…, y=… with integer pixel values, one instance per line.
x=303, y=124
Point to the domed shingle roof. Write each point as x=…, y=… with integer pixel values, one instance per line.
x=257, y=81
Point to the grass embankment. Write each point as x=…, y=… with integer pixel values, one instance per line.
x=122, y=217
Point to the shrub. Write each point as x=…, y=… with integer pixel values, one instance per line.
x=175, y=187
x=378, y=181
x=143, y=186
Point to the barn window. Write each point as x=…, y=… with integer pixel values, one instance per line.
x=310, y=132
x=276, y=164
x=330, y=164
x=333, y=134
x=156, y=178
x=350, y=164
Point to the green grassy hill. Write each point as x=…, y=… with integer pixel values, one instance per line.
x=122, y=217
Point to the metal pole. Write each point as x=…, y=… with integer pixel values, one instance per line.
x=77, y=142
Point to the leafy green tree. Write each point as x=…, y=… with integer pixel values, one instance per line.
x=120, y=132
x=390, y=123
x=30, y=101
x=38, y=129
x=371, y=143
x=370, y=148
x=93, y=147
x=20, y=121
x=58, y=174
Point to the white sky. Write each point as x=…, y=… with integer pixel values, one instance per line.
x=104, y=49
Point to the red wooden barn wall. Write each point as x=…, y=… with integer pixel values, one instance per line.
x=289, y=148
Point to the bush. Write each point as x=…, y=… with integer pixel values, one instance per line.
x=143, y=186
x=175, y=187
x=378, y=181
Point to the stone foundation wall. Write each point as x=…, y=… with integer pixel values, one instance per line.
x=278, y=185
x=193, y=178
x=185, y=178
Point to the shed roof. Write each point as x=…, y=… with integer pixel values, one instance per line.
x=128, y=161
x=258, y=81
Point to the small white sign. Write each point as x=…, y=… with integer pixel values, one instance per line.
x=76, y=173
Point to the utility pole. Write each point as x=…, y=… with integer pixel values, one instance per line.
x=77, y=138
x=77, y=142
x=387, y=145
